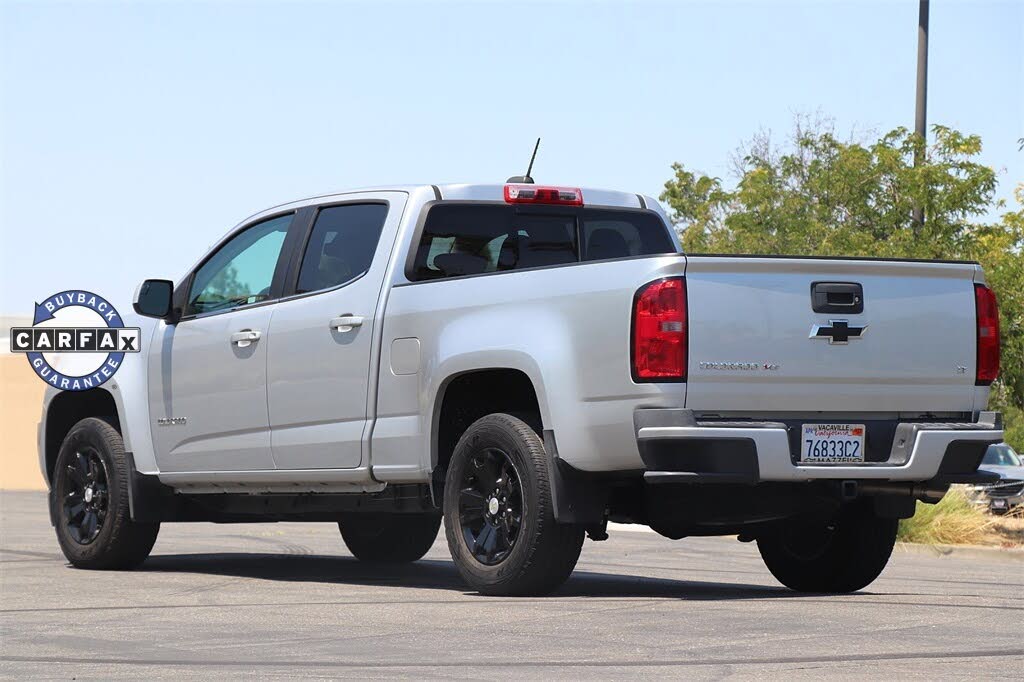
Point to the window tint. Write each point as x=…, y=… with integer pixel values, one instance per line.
x=341, y=246
x=241, y=271
x=469, y=240
x=619, y=234
x=461, y=239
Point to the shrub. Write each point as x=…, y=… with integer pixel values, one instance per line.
x=953, y=521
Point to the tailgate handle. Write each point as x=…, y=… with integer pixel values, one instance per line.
x=837, y=297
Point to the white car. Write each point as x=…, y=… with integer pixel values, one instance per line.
x=529, y=362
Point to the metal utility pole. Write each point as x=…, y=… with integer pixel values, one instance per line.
x=921, y=118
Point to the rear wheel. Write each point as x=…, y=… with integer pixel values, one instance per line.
x=842, y=555
x=498, y=512
x=389, y=538
x=89, y=501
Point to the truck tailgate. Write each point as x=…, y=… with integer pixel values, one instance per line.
x=756, y=343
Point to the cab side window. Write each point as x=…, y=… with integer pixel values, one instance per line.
x=241, y=271
x=341, y=245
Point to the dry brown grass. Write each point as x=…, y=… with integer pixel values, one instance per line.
x=957, y=521
x=1008, y=531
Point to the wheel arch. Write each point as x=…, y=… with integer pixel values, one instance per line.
x=65, y=409
x=470, y=393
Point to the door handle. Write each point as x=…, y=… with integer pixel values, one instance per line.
x=837, y=297
x=345, y=323
x=245, y=337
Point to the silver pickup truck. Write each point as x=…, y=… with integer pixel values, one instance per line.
x=527, y=363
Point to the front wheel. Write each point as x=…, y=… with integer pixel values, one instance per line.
x=89, y=500
x=498, y=513
x=389, y=538
x=842, y=555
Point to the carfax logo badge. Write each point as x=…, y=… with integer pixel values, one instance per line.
x=76, y=342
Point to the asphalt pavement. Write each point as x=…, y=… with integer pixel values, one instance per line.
x=288, y=600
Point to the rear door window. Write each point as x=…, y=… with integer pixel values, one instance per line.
x=341, y=245
x=464, y=239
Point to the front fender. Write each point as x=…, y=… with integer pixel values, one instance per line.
x=128, y=390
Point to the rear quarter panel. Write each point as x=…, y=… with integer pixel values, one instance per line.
x=567, y=328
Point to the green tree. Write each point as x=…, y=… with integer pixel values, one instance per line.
x=999, y=247
x=820, y=195
x=225, y=285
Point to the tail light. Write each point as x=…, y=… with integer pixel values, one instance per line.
x=533, y=194
x=988, y=335
x=660, y=331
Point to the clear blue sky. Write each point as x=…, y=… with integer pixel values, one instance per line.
x=135, y=134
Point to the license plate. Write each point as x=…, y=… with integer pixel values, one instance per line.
x=832, y=443
x=999, y=504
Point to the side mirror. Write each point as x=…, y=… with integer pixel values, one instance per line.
x=154, y=298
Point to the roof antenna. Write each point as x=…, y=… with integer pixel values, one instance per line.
x=526, y=179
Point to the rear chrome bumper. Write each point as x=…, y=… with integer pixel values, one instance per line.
x=676, y=448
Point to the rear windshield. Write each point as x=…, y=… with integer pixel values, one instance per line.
x=472, y=239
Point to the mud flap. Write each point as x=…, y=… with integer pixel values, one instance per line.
x=578, y=498
x=149, y=500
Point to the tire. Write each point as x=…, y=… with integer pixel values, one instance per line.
x=842, y=556
x=525, y=552
x=389, y=538
x=90, y=481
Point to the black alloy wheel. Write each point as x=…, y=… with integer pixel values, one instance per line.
x=499, y=514
x=89, y=500
x=838, y=555
x=491, y=506
x=389, y=538
x=85, y=496
x=807, y=541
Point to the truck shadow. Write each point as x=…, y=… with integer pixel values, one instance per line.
x=439, y=574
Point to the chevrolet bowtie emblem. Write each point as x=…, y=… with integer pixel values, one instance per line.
x=837, y=331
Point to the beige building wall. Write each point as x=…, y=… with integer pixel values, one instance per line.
x=21, y=399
